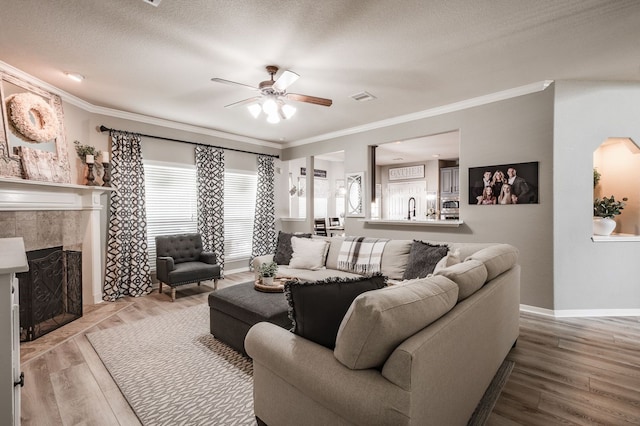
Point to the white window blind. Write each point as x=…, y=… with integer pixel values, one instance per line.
x=239, y=211
x=171, y=197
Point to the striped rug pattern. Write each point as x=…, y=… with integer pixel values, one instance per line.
x=173, y=372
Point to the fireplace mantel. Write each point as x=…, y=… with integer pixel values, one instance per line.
x=21, y=194
x=29, y=195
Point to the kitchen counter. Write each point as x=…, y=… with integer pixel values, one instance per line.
x=404, y=222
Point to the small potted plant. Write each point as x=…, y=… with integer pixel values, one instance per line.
x=604, y=209
x=267, y=272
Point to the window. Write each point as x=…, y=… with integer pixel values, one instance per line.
x=172, y=206
x=399, y=196
x=239, y=209
x=171, y=198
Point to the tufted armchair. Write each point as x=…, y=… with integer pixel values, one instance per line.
x=180, y=260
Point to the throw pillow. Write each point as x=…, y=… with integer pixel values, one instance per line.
x=470, y=276
x=308, y=253
x=378, y=321
x=316, y=308
x=423, y=259
x=452, y=258
x=283, y=247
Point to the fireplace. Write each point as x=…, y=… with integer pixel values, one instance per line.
x=47, y=214
x=50, y=292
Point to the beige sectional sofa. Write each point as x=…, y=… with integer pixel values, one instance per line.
x=421, y=352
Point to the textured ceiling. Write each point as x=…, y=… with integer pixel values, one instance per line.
x=411, y=54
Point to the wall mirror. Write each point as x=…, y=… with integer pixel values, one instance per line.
x=415, y=177
x=32, y=138
x=355, y=191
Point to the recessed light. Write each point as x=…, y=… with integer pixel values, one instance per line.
x=398, y=159
x=75, y=76
x=436, y=155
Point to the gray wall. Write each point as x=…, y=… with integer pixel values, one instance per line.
x=590, y=275
x=510, y=131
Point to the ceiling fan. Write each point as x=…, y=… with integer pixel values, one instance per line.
x=272, y=97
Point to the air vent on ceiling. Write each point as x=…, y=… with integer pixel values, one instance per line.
x=362, y=96
x=153, y=2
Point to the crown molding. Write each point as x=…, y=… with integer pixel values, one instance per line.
x=432, y=112
x=110, y=112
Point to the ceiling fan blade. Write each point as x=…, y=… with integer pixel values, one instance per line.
x=244, y=102
x=233, y=83
x=285, y=80
x=309, y=99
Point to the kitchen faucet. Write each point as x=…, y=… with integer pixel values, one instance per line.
x=409, y=208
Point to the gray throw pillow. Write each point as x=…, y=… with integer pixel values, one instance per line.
x=423, y=258
x=317, y=308
x=283, y=247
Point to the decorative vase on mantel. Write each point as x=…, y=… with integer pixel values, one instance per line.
x=603, y=225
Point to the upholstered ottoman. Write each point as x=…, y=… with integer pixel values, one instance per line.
x=233, y=310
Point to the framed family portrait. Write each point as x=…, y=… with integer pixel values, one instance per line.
x=515, y=183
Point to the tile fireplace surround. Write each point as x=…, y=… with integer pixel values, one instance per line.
x=48, y=214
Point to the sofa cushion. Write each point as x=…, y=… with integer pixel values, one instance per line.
x=308, y=253
x=423, y=258
x=317, y=308
x=378, y=321
x=283, y=247
x=497, y=258
x=470, y=276
x=395, y=258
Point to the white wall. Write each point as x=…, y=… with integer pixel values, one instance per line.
x=510, y=131
x=590, y=275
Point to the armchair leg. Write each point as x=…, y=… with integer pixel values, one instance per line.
x=173, y=294
x=198, y=283
x=215, y=284
x=160, y=287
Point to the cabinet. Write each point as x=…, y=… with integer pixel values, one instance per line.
x=449, y=181
x=12, y=259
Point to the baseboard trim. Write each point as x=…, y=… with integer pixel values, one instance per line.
x=575, y=313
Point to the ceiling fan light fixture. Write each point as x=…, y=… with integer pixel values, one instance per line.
x=255, y=110
x=273, y=118
x=288, y=110
x=270, y=107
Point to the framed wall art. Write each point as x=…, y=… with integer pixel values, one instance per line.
x=515, y=183
x=32, y=135
x=355, y=192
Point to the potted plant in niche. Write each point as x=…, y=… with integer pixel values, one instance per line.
x=267, y=272
x=604, y=209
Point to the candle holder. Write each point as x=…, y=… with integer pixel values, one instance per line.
x=106, y=178
x=91, y=179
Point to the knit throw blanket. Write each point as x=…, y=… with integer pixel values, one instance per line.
x=361, y=255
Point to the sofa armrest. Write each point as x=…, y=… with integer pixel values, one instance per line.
x=208, y=257
x=164, y=265
x=314, y=371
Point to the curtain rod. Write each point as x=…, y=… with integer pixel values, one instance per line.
x=105, y=129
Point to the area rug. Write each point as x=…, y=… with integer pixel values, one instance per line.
x=173, y=372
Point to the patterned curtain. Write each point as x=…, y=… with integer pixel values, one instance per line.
x=210, y=180
x=264, y=224
x=127, y=269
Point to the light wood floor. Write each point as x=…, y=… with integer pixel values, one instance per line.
x=568, y=371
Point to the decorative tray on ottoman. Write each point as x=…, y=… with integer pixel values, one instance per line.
x=276, y=287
